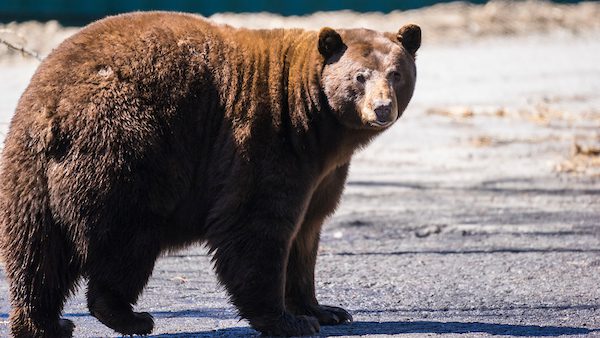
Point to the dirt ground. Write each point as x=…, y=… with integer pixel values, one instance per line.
x=477, y=214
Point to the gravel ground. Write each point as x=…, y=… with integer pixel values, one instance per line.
x=477, y=215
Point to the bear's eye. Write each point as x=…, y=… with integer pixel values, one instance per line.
x=360, y=78
x=396, y=76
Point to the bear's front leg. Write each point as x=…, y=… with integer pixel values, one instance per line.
x=300, y=281
x=250, y=257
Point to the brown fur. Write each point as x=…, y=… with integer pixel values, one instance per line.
x=147, y=132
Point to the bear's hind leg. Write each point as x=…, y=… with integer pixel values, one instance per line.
x=115, y=283
x=41, y=277
x=111, y=309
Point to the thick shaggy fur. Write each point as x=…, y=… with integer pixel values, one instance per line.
x=147, y=132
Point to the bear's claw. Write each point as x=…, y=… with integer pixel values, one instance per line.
x=331, y=315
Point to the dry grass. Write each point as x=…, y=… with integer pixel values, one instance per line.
x=562, y=127
x=584, y=160
x=538, y=113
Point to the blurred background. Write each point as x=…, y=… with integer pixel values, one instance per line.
x=72, y=12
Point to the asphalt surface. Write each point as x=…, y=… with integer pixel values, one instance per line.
x=461, y=220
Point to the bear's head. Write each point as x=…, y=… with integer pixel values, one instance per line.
x=368, y=77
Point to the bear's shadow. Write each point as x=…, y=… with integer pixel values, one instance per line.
x=390, y=328
x=398, y=327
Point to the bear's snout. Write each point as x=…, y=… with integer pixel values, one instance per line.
x=383, y=110
x=380, y=108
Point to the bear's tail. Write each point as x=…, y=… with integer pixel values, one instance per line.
x=38, y=255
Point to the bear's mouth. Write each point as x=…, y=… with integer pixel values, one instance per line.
x=380, y=124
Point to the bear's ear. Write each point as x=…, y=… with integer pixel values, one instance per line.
x=410, y=37
x=330, y=42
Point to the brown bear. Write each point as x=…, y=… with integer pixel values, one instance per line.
x=147, y=132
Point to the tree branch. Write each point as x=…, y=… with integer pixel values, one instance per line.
x=21, y=49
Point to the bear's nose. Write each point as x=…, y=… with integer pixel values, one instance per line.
x=383, y=110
